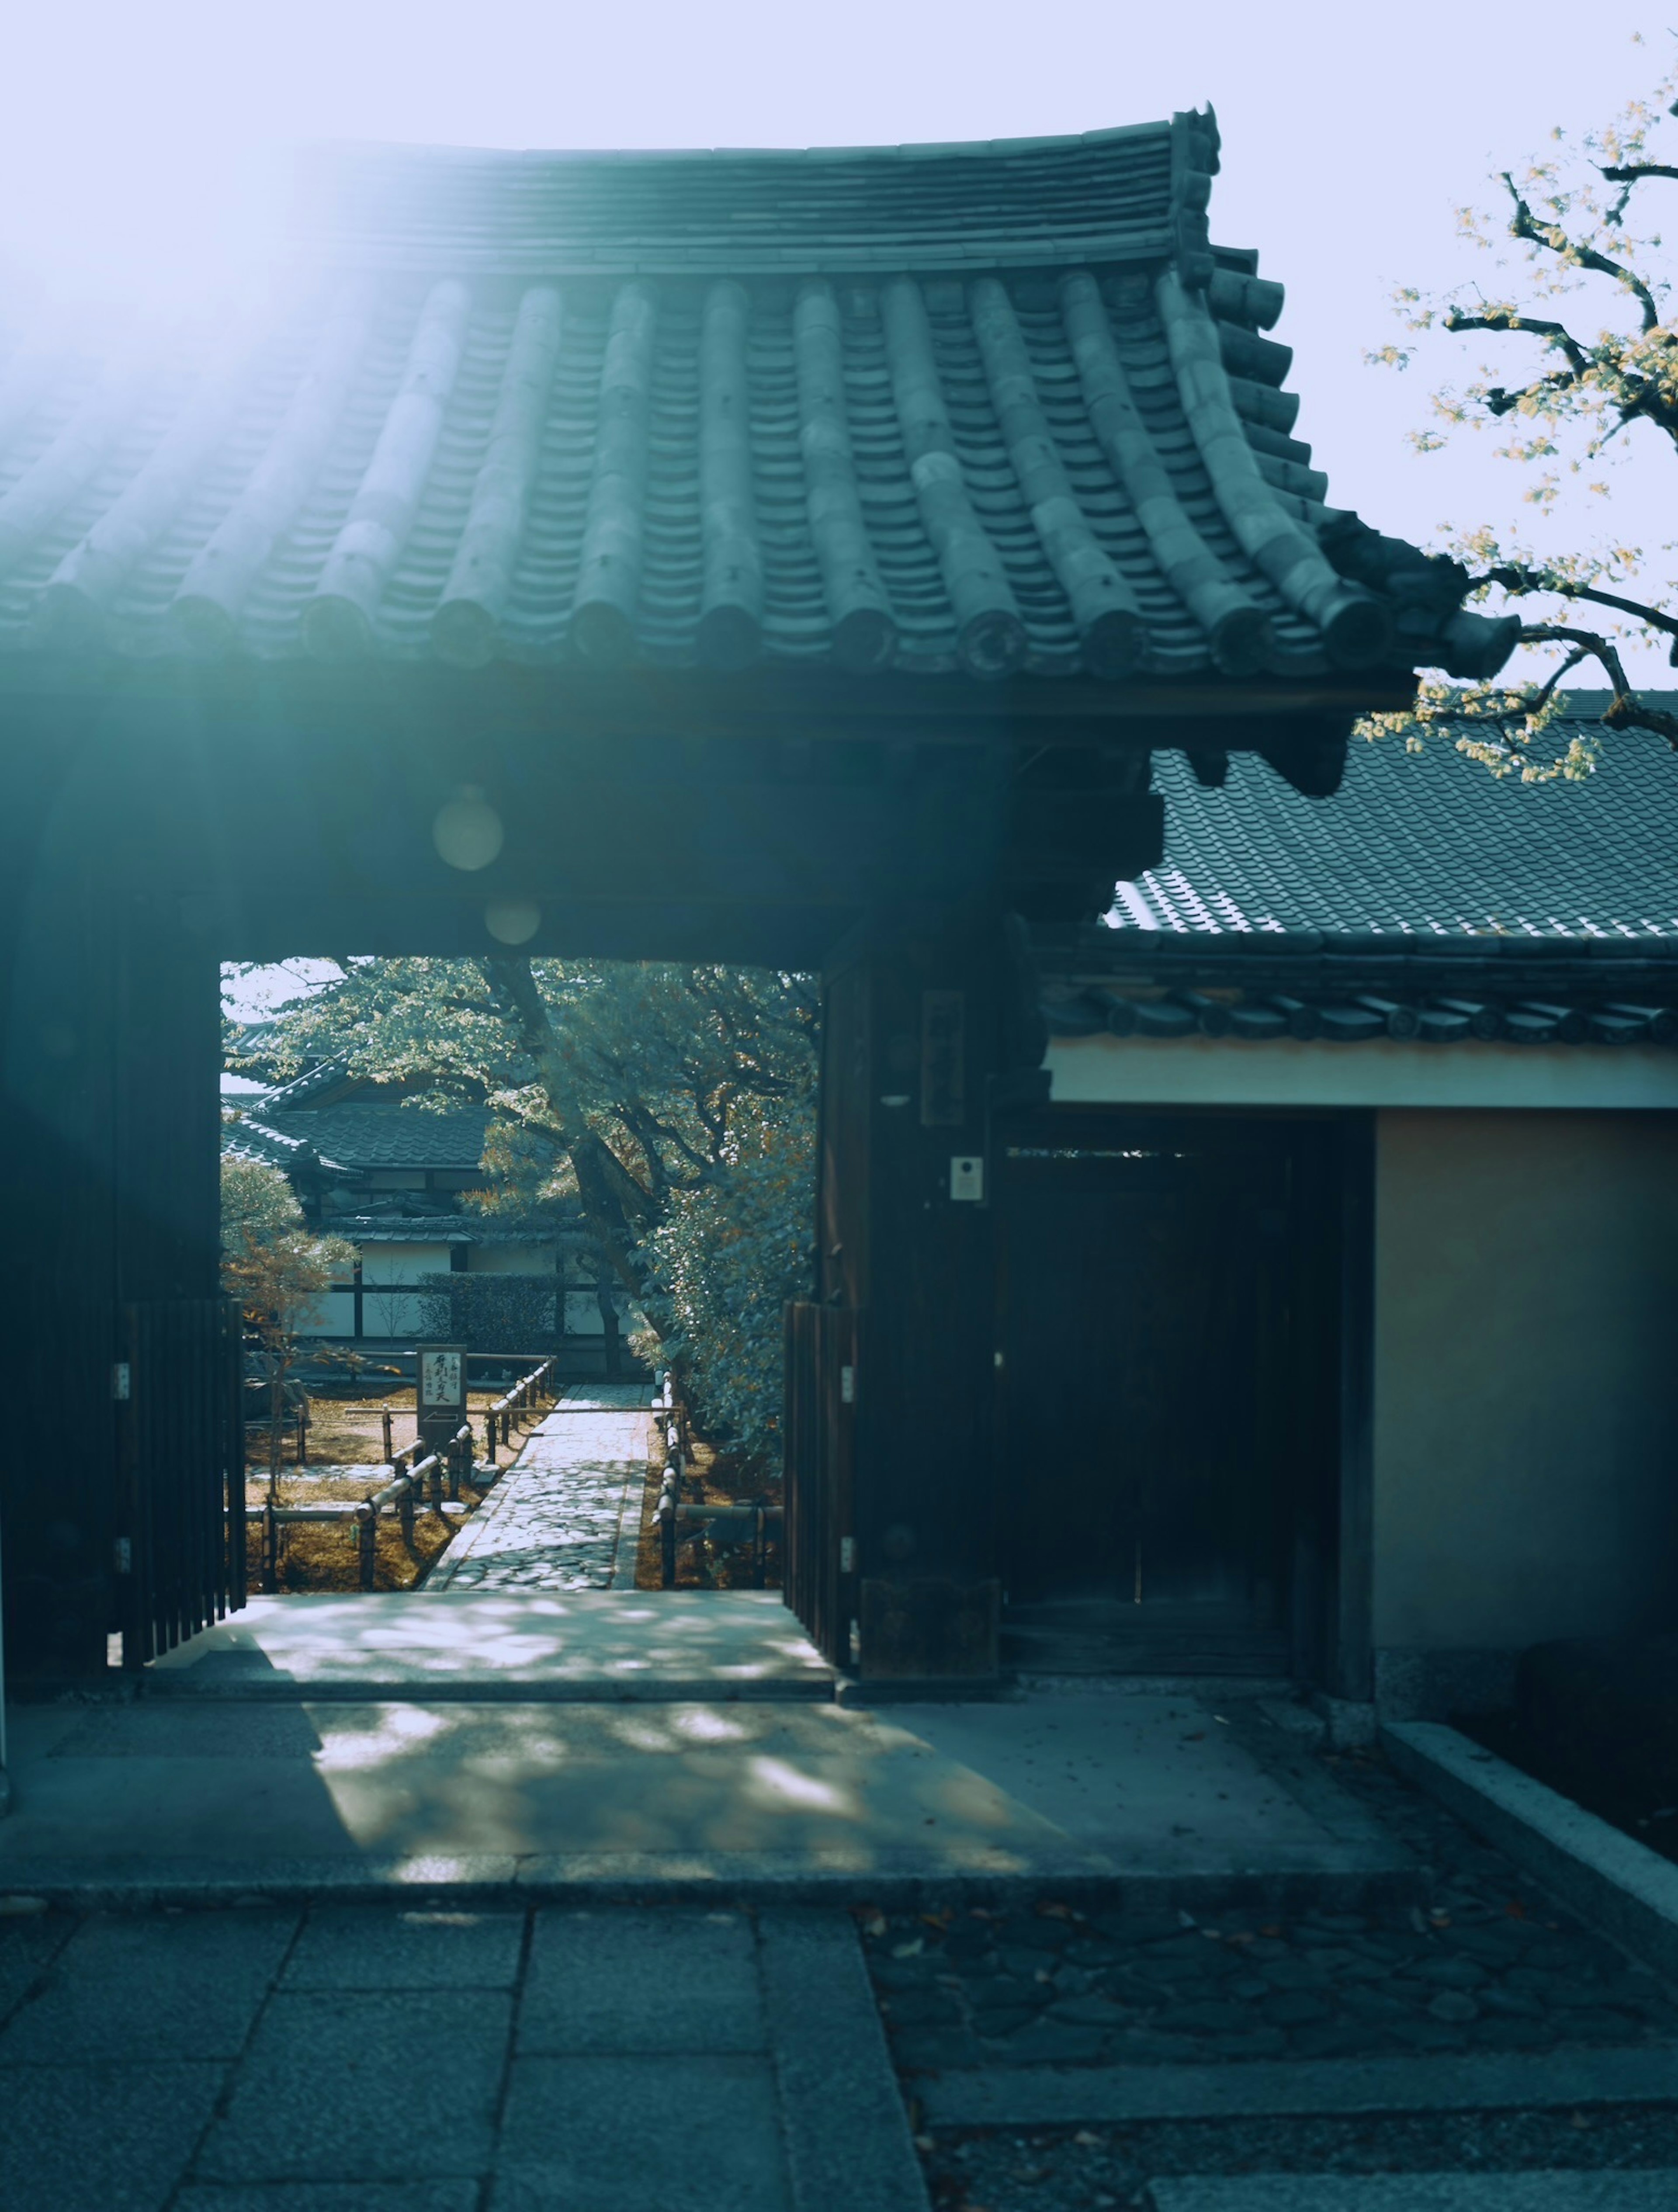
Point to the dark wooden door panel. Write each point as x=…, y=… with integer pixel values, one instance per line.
x=181, y=1512
x=1147, y=1421
x=821, y=1365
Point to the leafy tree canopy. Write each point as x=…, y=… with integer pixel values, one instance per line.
x=669, y=1109
x=1576, y=362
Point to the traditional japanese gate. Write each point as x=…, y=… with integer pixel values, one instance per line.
x=772, y=559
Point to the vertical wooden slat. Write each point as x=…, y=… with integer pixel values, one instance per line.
x=183, y=1495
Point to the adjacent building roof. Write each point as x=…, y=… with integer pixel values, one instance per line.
x=1426, y=843
x=975, y=408
x=363, y=1137
x=1428, y=899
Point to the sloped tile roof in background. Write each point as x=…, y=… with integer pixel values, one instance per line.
x=429, y=1229
x=971, y=408
x=246, y=1139
x=1418, y=844
x=365, y=1138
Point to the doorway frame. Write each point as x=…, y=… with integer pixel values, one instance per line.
x=1330, y=1593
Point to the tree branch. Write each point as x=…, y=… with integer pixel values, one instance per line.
x=1521, y=580
x=1625, y=710
x=615, y=1207
x=1501, y=319
x=1523, y=228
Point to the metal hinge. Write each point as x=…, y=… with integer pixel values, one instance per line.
x=119, y=1381
x=122, y=1556
x=848, y=1555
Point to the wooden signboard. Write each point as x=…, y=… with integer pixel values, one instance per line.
x=441, y=1392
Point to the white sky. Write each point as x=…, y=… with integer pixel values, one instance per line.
x=139, y=140
x=142, y=141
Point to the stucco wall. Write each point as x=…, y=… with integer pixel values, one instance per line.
x=1526, y=1377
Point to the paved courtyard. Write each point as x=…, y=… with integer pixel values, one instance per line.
x=567, y=1516
x=431, y=2059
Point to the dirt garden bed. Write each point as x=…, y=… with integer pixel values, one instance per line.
x=712, y=1478
x=346, y=1464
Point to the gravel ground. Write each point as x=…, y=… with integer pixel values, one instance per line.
x=1491, y=1964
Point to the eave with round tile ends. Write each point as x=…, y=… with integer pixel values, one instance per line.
x=985, y=411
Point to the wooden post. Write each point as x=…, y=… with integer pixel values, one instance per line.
x=271, y=1549
x=384, y=1422
x=303, y=1434
x=367, y=1519
x=405, y=1508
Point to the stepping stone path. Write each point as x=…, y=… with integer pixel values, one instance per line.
x=567, y=1514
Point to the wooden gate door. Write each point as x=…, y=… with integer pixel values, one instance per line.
x=180, y=1546
x=1148, y=1469
x=820, y=1423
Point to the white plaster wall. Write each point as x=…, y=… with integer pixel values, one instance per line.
x=1201, y=1070
x=1526, y=1347
x=510, y=1260
x=401, y=1263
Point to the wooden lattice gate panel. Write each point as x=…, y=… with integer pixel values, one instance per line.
x=821, y=1406
x=180, y=1545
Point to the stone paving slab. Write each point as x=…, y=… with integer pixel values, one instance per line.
x=327, y=2073
x=567, y=1514
x=1095, y=2096
x=114, y=1991
x=507, y=1646
x=149, y=2116
x=847, y=2138
x=647, y=1982
x=693, y=2131
x=795, y=1798
x=1620, y=2191
x=567, y=2085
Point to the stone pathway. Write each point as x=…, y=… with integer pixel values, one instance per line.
x=408, y=2058
x=567, y=1514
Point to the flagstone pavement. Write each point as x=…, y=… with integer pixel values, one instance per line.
x=567, y=1514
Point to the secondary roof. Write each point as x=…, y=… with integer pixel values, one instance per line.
x=978, y=409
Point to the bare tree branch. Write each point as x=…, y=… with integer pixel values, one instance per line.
x=1523, y=228
x=1501, y=319
x=1513, y=577
x=1625, y=710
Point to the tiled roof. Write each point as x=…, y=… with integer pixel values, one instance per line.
x=1425, y=843
x=429, y=1229
x=979, y=408
x=1426, y=901
x=244, y=1139
x=1106, y=196
x=326, y=1075
x=364, y=1137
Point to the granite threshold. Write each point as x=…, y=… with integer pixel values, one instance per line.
x=716, y=1879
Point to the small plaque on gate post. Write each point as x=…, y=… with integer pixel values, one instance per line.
x=442, y=1393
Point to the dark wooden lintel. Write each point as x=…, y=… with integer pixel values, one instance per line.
x=782, y=704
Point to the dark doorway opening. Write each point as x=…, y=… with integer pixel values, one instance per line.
x=1168, y=1289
